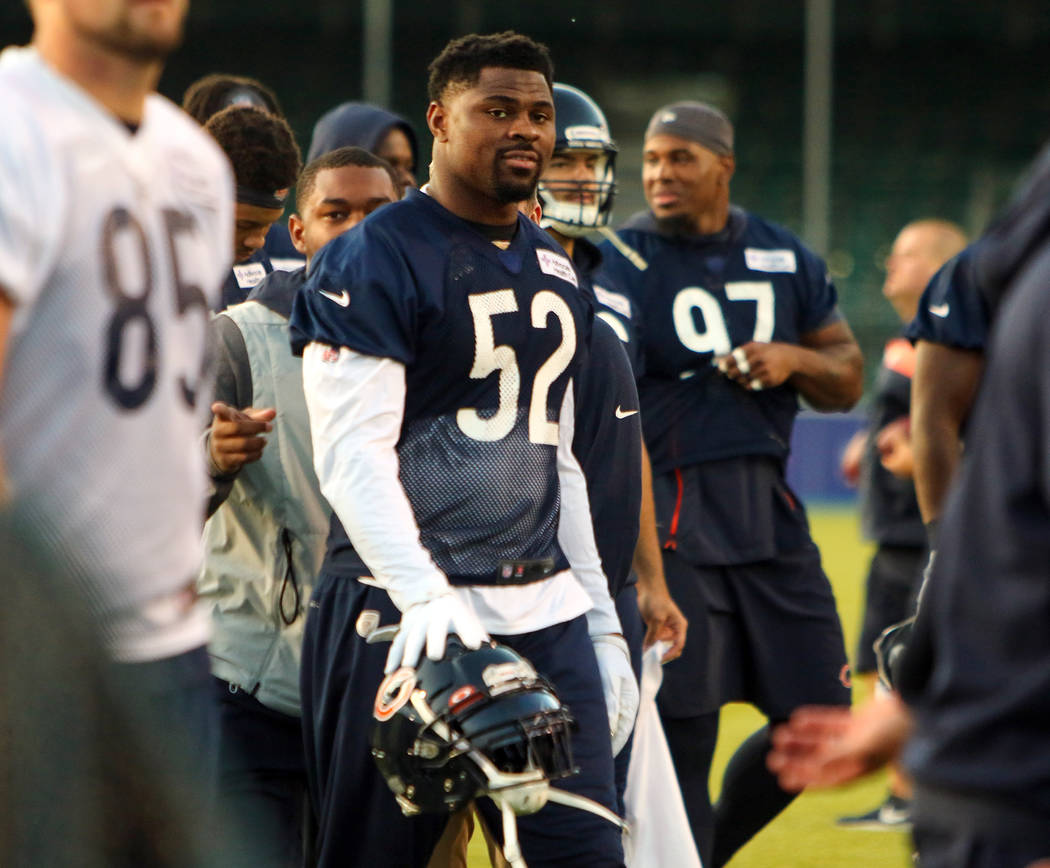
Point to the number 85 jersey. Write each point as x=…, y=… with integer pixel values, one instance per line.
x=699, y=297
x=112, y=247
x=489, y=338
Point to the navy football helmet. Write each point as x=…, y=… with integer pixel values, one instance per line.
x=575, y=207
x=475, y=723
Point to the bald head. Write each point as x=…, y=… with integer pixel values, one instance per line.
x=920, y=248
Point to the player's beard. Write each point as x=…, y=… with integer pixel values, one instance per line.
x=133, y=42
x=511, y=190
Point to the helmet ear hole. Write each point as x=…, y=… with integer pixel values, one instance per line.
x=476, y=723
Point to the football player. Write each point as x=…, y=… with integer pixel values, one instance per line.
x=439, y=341
x=265, y=159
x=375, y=129
x=576, y=192
x=739, y=321
x=973, y=676
x=889, y=511
x=265, y=542
x=116, y=218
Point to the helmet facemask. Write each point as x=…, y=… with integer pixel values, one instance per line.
x=575, y=207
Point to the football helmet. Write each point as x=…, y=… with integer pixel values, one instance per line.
x=575, y=207
x=475, y=723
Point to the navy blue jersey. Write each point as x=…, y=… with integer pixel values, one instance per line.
x=489, y=338
x=608, y=435
x=888, y=506
x=977, y=670
x=702, y=296
x=243, y=278
x=611, y=304
x=953, y=310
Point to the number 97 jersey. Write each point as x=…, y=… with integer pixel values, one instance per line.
x=113, y=244
x=489, y=338
x=700, y=297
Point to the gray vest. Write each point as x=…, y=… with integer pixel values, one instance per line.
x=265, y=544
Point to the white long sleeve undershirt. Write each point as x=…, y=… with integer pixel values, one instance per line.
x=356, y=404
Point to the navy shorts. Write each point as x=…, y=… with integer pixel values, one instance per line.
x=767, y=633
x=359, y=823
x=893, y=582
x=262, y=778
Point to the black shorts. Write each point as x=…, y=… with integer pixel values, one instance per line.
x=893, y=582
x=767, y=633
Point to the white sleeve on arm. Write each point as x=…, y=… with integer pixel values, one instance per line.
x=576, y=529
x=356, y=404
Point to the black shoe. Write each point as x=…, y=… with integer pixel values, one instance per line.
x=894, y=813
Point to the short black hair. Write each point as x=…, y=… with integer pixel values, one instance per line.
x=260, y=146
x=209, y=95
x=348, y=155
x=462, y=60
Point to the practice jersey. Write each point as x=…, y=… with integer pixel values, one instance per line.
x=243, y=277
x=888, y=505
x=699, y=297
x=489, y=338
x=112, y=247
x=608, y=435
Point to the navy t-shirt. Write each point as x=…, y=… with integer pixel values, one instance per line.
x=608, y=434
x=489, y=338
x=953, y=309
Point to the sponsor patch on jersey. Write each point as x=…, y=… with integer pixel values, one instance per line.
x=367, y=621
x=614, y=300
x=394, y=692
x=503, y=677
x=249, y=274
x=770, y=260
x=557, y=265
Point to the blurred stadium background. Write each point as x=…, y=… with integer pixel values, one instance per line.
x=935, y=107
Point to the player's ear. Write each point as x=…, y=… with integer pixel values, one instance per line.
x=437, y=120
x=297, y=230
x=728, y=166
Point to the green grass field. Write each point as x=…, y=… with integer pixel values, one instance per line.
x=805, y=835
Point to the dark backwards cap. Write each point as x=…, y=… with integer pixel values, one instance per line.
x=695, y=122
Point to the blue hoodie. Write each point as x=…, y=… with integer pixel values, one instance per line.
x=360, y=124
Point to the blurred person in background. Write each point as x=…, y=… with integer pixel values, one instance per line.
x=889, y=511
x=265, y=159
x=576, y=193
x=265, y=539
x=116, y=224
x=208, y=96
x=739, y=320
x=375, y=129
x=972, y=680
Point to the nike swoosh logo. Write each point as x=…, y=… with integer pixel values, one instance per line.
x=940, y=310
x=340, y=298
x=623, y=414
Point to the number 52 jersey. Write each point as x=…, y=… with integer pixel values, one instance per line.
x=489, y=338
x=113, y=244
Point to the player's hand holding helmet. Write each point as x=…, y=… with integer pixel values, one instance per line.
x=618, y=685
x=430, y=621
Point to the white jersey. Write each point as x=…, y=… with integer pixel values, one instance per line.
x=113, y=246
